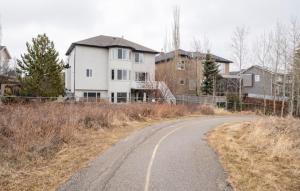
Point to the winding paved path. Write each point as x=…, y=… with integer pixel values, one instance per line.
x=171, y=156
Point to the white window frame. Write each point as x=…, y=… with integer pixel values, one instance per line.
x=180, y=65
x=146, y=76
x=140, y=59
x=125, y=54
x=257, y=78
x=124, y=74
x=122, y=99
x=87, y=97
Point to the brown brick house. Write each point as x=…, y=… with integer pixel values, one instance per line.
x=184, y=74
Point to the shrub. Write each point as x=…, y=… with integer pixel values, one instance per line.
x=39, y=129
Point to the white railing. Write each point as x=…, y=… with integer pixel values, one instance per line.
x=149, y=85
x=166, y=93
x=154, y=85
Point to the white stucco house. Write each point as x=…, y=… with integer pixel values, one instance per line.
x=111, y=68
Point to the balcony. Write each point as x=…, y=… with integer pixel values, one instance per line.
x=144, y=85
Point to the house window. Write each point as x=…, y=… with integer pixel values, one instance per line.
x=181, y=82
x=141, y=76
x=138, y=58
x=112, y=74
x=122, y=74
x=112, y=97
x=121, y=54
x=91, y=95
x=121, y=97
x=119, y=74
x=180, y=65
x=89, y=73
x=257, y=78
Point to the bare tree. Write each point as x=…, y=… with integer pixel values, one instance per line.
x=276, y=60
x=167, y=72
x=262, y=50
x=176, y=28
x=285, y=58
x=297, y=80
x=167, y=43
x=239, y=48
x=294, y=37
x=197, y=48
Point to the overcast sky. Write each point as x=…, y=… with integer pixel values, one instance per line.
x=141, y=21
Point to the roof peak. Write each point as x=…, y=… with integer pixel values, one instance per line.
x=104, y=41
x=168, y=55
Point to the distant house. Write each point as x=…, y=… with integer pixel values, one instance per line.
x=259, y=82
x=8, y=80
x=4, y=60
x=184, y=77
x=105, y=67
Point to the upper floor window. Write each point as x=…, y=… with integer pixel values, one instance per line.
x=182, y=82
x=180, y=65
x=257, y=78
x=89, y=73
x=122, y=74
x=138, y=58
x=121, y=54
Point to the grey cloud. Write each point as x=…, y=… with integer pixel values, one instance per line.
x=143, y=21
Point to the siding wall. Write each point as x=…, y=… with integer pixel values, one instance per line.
x=168, y=72
x=101, y=61
x=258, y=87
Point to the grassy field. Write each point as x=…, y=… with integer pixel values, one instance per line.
x=263, y=155
x=42, y=145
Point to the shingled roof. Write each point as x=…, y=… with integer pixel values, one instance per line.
x=166, y=56
x=1, y=47
x=109, y=41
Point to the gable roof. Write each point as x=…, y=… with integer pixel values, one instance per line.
x=109, y=41
x=258, y=67
x=3, y=48
x=280, y=72
x=166, y=56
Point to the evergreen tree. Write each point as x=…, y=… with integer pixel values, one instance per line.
x=210, y=73
x=40, y=69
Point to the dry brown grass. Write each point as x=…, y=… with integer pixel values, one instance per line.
x=261, y=155
x=41, y=145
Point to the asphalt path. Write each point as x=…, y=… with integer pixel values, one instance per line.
x=170, y=156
